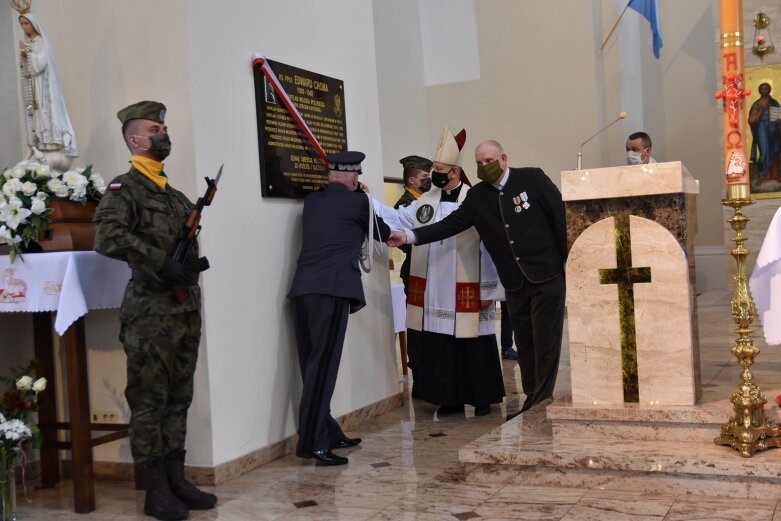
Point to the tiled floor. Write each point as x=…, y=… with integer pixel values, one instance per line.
x=407, y=467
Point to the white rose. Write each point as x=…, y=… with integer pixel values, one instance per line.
x=41, y=171
x=18, y=172
x=98, y=183
x=24, y=383
x=39, y=385
x=53, y=184
x=62, y=191
x=38, y=206
x=11, y=187
x=43, y=196
x=73, y=179
x=29, y=188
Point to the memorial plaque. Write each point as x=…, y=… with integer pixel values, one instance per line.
x=289, y=165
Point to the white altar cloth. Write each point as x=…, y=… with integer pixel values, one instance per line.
x=765, y=282
x=399, y=300
x=70, y=283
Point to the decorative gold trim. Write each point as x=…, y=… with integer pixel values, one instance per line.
x=737, y=43
x=733, y=33
x=21, y=6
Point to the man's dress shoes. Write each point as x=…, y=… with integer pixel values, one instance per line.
x=346, y=443
x=326, y=457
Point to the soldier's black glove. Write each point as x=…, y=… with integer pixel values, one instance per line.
x=197, y=264
x=178, y=273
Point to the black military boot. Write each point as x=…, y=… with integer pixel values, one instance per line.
x=160, y=502
x=188, y=493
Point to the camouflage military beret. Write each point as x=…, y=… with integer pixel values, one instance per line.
x=151, y=110
x=421, y=163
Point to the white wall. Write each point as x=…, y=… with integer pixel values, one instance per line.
x=253, y=242
x=400, y=84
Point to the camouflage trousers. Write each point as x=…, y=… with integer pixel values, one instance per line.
x=161, y=355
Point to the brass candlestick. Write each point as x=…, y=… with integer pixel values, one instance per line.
x=748, y=430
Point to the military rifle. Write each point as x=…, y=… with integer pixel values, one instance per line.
x=189, y=235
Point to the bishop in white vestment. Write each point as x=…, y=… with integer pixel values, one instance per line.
x=450, y=300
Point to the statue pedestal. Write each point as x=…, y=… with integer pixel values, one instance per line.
x=631, y=304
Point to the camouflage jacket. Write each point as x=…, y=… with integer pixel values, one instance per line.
x=138, y=223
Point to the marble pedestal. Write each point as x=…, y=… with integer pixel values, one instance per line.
x=630, y=285
x=650, y=450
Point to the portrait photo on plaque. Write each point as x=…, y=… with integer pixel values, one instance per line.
x=290, y=166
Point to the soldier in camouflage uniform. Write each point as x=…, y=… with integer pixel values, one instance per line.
x=139, y=221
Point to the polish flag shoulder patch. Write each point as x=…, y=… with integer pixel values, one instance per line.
x=115, y=186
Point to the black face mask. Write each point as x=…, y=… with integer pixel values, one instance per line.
x=425, y=184
x=440, y=179
x=159, y=146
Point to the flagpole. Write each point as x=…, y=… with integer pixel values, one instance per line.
x=614, y=27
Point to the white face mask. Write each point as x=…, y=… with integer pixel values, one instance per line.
x=634, y=158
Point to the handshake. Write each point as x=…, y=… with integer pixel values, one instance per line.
x=183, y=273
x=397, y=239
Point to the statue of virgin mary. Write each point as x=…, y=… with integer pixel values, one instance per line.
x=49, y=128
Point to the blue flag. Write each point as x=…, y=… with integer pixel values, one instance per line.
x=649, y=10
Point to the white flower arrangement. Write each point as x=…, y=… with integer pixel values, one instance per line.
x=17, y=402
x=25, y=190
x=14, y=430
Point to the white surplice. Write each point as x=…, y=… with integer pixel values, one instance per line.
x=439, y=315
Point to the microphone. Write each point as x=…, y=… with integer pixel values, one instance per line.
x=621, y=115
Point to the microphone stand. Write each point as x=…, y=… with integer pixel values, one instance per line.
x=621, y=116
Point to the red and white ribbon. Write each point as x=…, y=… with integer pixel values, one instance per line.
x=260, y=60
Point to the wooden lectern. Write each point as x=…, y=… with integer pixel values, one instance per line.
x=631, y=300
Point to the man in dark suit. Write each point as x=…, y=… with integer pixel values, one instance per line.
x=326, y=288
x=519, y=215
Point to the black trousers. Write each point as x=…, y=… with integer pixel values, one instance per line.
x=537, y=317
x=507, y=328
x=321, y=322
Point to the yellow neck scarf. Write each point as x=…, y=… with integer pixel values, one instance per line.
x=415, y=193
x=151, y=169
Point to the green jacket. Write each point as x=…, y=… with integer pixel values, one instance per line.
x=139, y=223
